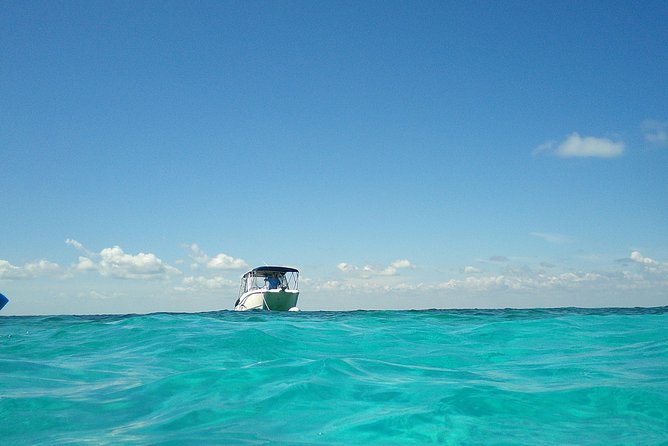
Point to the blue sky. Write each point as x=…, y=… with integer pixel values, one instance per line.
x=401, y=154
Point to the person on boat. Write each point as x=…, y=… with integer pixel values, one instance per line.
x=273, y=282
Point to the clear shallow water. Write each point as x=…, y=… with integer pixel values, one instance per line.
x=501, y=377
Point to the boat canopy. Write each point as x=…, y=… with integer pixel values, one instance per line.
x=269, y=270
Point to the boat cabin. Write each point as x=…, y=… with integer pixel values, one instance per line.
x=269, y=277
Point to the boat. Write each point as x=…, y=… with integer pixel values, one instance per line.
x=273, y=288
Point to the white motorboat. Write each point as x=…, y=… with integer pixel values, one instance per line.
x=273, y=288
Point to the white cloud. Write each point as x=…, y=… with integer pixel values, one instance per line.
x=649, y=264
x=582, y=147
x=525, y=280
x=114, y=262
x=42, y=267
x=346, y=267
x=637, y=257
x=79, y=247
x=97, y=295
x=333, y=285
x=368, y=271
x=197, y=255
x=655, y=132
x=74, y=243
x=11, y=272
x=363, y=286
x=29, y=270
x=223, y=261
x=483, y=283
x=402, y=264
x=546, y=147
x=528, y=282
x=395, y=266
x=480, y=283
x=199, y=283
x=85, y=264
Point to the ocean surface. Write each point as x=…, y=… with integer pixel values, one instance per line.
x=453, y=377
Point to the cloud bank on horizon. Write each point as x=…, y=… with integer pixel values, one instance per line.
x=635, y=272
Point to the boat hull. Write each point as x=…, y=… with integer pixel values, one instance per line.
x=273, y=300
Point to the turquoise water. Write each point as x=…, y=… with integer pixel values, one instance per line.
x=469, y=377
